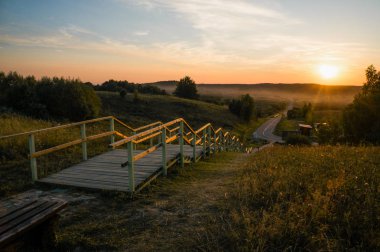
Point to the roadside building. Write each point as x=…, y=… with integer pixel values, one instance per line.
x=305, y=129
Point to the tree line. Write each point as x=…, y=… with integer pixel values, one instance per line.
x=48, y=97
x=360, y=123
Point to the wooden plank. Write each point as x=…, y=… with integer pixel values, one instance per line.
x=33, y=218
x=25, y=215
x=85, y=185
x=17, y=211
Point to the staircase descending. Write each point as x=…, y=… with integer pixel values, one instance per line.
x=150, y=151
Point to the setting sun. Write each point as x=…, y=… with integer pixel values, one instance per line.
x=328, y=71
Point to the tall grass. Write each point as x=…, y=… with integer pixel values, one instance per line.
x=291, y=198
x=15, y=174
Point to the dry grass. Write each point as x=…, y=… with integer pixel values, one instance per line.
x=324, y=198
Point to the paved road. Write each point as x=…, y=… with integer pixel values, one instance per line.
x=265, y=131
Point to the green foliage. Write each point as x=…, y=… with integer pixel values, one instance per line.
x=330, y=133
x=186, y=88
x=118, y=86
x=361, y=120
x=306, y=112
x=49, y=97
x=123, y=93
x=136, y=97
x=296, y=139
x=243, y=107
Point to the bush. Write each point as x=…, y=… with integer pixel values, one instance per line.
x=49, y=97
x=244, y=107
x=298, y=140
x=123, y=93
x=186, y=88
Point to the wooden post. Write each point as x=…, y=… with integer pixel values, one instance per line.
x=33, y=161
x=151, y=139
x=209, y=140
x=84, y=144
x=181, y=160
x=164, y=165
x=215, y=143
x=204, y=143
x=194, y=147
x=135, y=145
x=131, y=167
x=112, y=128
x=220, y=140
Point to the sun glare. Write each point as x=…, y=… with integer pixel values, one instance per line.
x=328, y=71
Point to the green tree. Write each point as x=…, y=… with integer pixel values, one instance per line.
x=186, y=88
x=361, y=120
x=123, y=93
x=243, y=107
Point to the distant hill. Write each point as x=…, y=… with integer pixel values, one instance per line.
x=298, y=91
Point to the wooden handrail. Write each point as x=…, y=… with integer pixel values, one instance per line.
x=206, y=136
x=58, y=127
x=144, y=133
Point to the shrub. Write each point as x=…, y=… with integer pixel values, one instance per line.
x=57, y=97
x=298, y=140
x=244, y=107
x=186, y=88
x=123, y=93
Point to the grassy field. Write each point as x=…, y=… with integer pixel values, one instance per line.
x=286, y=125
x=289, y=198
x=15, y=174
x=282, y=198
x=152, y=108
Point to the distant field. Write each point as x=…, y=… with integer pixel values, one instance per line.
x=300, y=92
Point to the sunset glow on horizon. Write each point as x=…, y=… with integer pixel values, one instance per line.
x=218, y=41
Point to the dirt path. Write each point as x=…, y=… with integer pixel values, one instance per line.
x=170, y=215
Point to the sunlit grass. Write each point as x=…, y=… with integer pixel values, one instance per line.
x=289, y=198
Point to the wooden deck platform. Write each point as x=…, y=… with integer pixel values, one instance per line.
x=104, y=171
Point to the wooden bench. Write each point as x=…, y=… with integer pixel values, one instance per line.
x=37, y=216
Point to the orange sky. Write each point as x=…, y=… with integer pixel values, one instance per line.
x=214, y=42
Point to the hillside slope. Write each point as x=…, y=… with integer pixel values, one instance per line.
x=151, y=108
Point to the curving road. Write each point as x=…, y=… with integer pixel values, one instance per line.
x=265, y=131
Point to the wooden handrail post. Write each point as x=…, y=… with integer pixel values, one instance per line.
x=33, y=161
x=135, y=145
x=181, y=160
x=215, y=143
x=131, y=166
x=84, y=143
x=194, y=143
x=163, y=141
x=112, y=128
x=151, y=140
x=220, y=140
x=209, y=140
x=204, y=143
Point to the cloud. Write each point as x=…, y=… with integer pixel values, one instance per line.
x=141, y=33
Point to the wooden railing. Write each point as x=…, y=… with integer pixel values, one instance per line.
x=33, y=154
x=212, y=140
